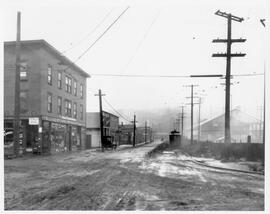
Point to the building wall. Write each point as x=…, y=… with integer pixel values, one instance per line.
x=50, y=59
x=31, y=105
x=36, y=57
x=95, y=137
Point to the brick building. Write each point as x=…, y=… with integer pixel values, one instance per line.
x=52, y=98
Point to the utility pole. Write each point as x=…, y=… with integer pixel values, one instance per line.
x=101, y=118
x=17, y=86
x=228, y=56
x=145, y=130
x=191, y=109
x=182, y=123
x=199, y=122
x=134, y=130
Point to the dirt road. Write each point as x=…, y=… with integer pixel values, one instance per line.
x=126, y=180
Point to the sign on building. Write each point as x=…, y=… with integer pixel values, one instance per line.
x=33, y=120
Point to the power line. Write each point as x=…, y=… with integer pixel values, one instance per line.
x=89, y=34
x=165, y=76
x=106, y=30
x=117, y=111
x=142, y=40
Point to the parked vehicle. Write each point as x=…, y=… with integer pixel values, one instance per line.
x=9, y=141
x=108, y=142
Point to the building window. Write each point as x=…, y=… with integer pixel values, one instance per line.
x=59, y=105
x=75, y=88
x=68, y=84
x=68, y=108
x=59, y=80
x=81, y=112
x=75, y=110
x=49, y=74
x=81, y=91
x=23, y=71
x=49, y=102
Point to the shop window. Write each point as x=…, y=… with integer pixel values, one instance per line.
x=59, y=105
x=81, y=112
x=81, y=91
x=75, y=110
x=75, y=88
x=49, y=74
x=59, y=80
x=49, y=102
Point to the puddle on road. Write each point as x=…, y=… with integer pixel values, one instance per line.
x=166, y=166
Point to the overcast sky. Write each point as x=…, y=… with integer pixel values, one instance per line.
x=151, y=38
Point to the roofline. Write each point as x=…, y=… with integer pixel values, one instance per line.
x=43, y=42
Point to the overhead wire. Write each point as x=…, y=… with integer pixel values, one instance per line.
x=106, y=30
x=141, y=41
x=165, y=76
x=89, y=34
x=117, y=112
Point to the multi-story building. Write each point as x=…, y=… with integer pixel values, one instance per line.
x=52, y=97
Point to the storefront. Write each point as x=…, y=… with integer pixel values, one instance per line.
x=45, y=135
x=59, y=135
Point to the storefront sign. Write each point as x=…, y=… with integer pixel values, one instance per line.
x=58, y=120
x=33, y=120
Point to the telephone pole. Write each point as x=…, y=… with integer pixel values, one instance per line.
x=101, y=118
x=134, y=130
x=145, y=130
x=191, y=109
x=182, y=122
x=17, y=87
x=199, y=122
x=228, y=56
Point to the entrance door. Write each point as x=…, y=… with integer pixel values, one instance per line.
x=88, y=141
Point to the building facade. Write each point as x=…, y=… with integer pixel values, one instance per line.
x=52, y=98
x=110, y=128
x=242, y=126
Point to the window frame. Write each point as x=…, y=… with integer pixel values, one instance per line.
x=75, y=87
x=81, y=90
x=68, y=84
x=49, y=74
x=59, y=80
x=75, y=110
x=81, y=112
x=59, y=107
x=49, y=102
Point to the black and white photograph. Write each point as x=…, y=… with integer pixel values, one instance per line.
x=131, y=105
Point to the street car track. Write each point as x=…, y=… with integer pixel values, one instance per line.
x=222, y=168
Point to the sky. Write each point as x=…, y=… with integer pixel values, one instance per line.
x=152, y=38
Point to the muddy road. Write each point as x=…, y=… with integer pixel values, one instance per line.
x=126, y=180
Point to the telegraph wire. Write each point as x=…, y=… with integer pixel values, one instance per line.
x=165, y=76
x=106, y=30
x=89, y=34
x=125, y=118
x=141, y=41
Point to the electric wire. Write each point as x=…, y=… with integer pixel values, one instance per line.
x=141, y=41
x=89, y=34
x=106, y=30
x=165, y=76
x=119, y=114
